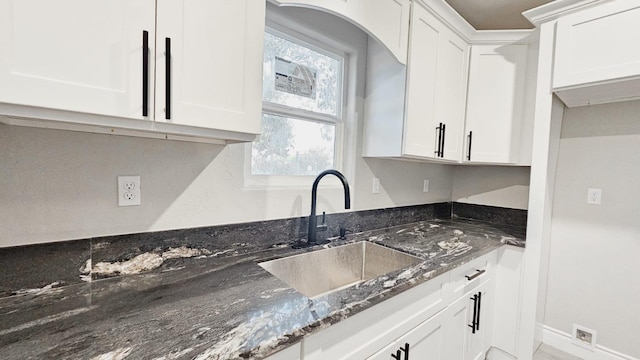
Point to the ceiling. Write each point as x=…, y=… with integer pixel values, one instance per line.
x=496, y=14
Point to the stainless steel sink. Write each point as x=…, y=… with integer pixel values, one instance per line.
x=320, y=272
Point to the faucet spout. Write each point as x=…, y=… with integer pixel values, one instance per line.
x=313, y=221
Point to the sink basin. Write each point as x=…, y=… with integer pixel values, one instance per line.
x=324, y=271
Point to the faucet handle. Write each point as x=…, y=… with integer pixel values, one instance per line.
x=323, y=226
x=343, y=232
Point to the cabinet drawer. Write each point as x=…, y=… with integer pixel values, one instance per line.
x=470, y=275
x=363, y=334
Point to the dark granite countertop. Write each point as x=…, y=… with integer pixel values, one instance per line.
x=208, y=307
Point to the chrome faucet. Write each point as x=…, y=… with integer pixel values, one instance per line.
x=313, y=221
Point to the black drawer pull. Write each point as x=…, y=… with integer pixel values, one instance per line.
x=479, y=303
x=478, y=273
x=396, y=355
x=438, y=148
x=167, y=89
x=470, y=138
x=406, y=351
x=475, y=314
x=444, y=133
x=145, y=73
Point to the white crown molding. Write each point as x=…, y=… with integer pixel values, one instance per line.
x=553, y=10
x=486, y=37
x=445, y=13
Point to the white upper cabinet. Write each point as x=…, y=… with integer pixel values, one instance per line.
x=436, y=89
x=495, y=103
x=385, y=20
x=417, y=112
x=76, y=55
x=101, y=66
x=215, y=65
x=597, y=54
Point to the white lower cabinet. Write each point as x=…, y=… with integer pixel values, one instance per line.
x=508, y=280
x=426, y=341
x=462, y=331
x=363, y=334
x=448, y=317
x=470, y=324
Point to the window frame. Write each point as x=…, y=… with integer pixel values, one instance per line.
x=325, y=46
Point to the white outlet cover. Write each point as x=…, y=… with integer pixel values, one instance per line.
x=129, y=191
x=594, y=196
x=376, y=186
x=425, y=185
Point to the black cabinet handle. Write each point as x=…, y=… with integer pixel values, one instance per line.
x=439, y=131
x=470, y=137
x=479, y=303
x=145, y=73
x=396, y=355
x=475, y=313
x=478, y=273
x=406, y=351
x=167, y=89
x=444, y=133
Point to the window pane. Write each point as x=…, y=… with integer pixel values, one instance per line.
x=290, y=146
x=328, y=70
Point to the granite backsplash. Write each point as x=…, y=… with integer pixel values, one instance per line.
x=34, y=267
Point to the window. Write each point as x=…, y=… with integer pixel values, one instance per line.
x=302, y=107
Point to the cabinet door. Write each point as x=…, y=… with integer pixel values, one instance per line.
x=478, y=343
x=436, y=88
x=469, y=324
x=451, y=93
x=458, y=331
x=420, y=136
x=386, y=353
x=425, y=341
x=598, y=44
x=495, y=103
x=77, y=55
x=365, y=333
x=214, y=66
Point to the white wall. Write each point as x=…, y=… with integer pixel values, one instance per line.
x=593, y=265
x=59, y=185
x=502, y=186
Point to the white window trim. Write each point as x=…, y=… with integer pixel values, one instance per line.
x=329, y=47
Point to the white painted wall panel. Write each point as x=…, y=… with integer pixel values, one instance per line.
x=594, y=248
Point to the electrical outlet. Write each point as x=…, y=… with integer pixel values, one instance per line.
x=425, y=185
x=594, y=196
x=376, y=186
x=129, y=191
x=584, y=337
